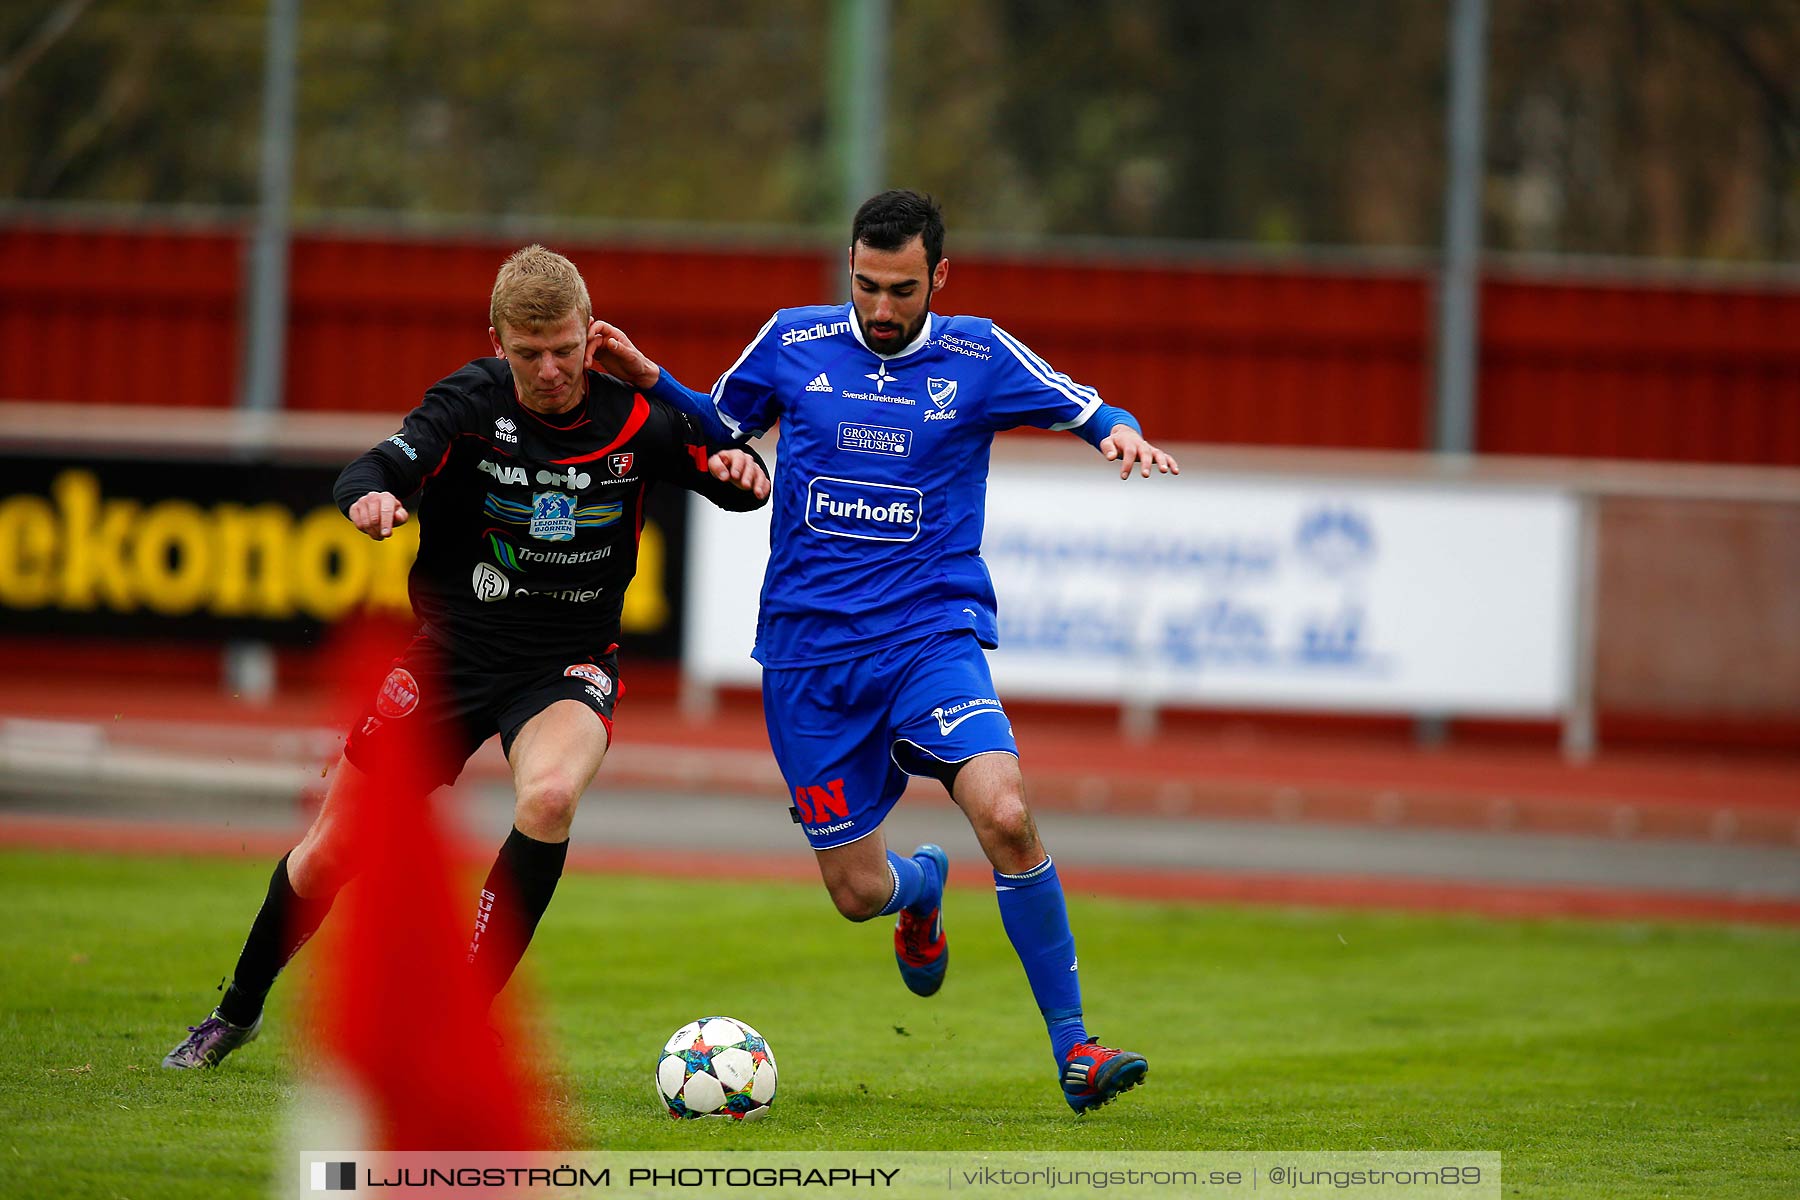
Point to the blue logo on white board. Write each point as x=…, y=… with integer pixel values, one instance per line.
x=1335, y=540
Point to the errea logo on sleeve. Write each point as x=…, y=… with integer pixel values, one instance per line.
x=870, y=512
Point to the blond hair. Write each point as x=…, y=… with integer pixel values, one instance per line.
x=537, y=288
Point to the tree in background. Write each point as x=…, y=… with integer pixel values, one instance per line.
x=1633, y=127
x=1658, y=127
x=130, y=101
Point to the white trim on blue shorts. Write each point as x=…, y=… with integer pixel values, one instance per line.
x=948, y=762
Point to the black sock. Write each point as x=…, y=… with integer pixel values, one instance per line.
x=283, y=924
x=513, y=900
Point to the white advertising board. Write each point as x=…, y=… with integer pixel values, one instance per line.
x=1243, y=592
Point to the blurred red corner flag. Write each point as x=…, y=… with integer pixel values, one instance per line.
x=398, y=1012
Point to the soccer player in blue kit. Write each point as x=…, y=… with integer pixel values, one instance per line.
x=876, y=604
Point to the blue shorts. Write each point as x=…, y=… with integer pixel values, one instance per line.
x=847, y=734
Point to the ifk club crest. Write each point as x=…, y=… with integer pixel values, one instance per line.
x=941, y=391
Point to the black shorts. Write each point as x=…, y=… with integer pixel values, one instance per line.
x=432, y=711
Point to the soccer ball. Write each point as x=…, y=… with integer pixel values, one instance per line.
x=716, y=1067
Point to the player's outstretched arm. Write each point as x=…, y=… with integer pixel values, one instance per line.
x=611, y=351
x=734, y=477
x=1127, y=447
x=1026, y=390
x=368, y=490
x=378, y=514
x=728, y=474
x=742, y=470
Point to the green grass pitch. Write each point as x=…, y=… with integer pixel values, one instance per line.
x=1602, y=1060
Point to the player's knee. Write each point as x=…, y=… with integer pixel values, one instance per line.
x=859, y=899
x=546, y=807
x=1008, y=822
x=321, y=863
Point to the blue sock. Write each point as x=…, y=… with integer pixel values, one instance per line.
x=1032, y=910
x=916, y=885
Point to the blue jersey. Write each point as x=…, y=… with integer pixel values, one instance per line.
x=881, y=478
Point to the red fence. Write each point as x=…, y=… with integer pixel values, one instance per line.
x=121, y=317
x=1691, y=374
x=1202, y=352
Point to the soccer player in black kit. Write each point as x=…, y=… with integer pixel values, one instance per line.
x=533, y=471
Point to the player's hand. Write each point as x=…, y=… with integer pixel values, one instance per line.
x=610, y=350
x=736, y=467
x=1127, y=447
x=378, y=514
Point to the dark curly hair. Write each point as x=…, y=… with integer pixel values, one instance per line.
x=894, y=218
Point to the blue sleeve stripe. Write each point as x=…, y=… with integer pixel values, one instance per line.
x=1084, y=398
x=718, y=389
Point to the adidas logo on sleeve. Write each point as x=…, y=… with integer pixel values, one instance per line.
x=819, y=384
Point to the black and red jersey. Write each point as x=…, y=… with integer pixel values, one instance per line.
x=528, y=524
